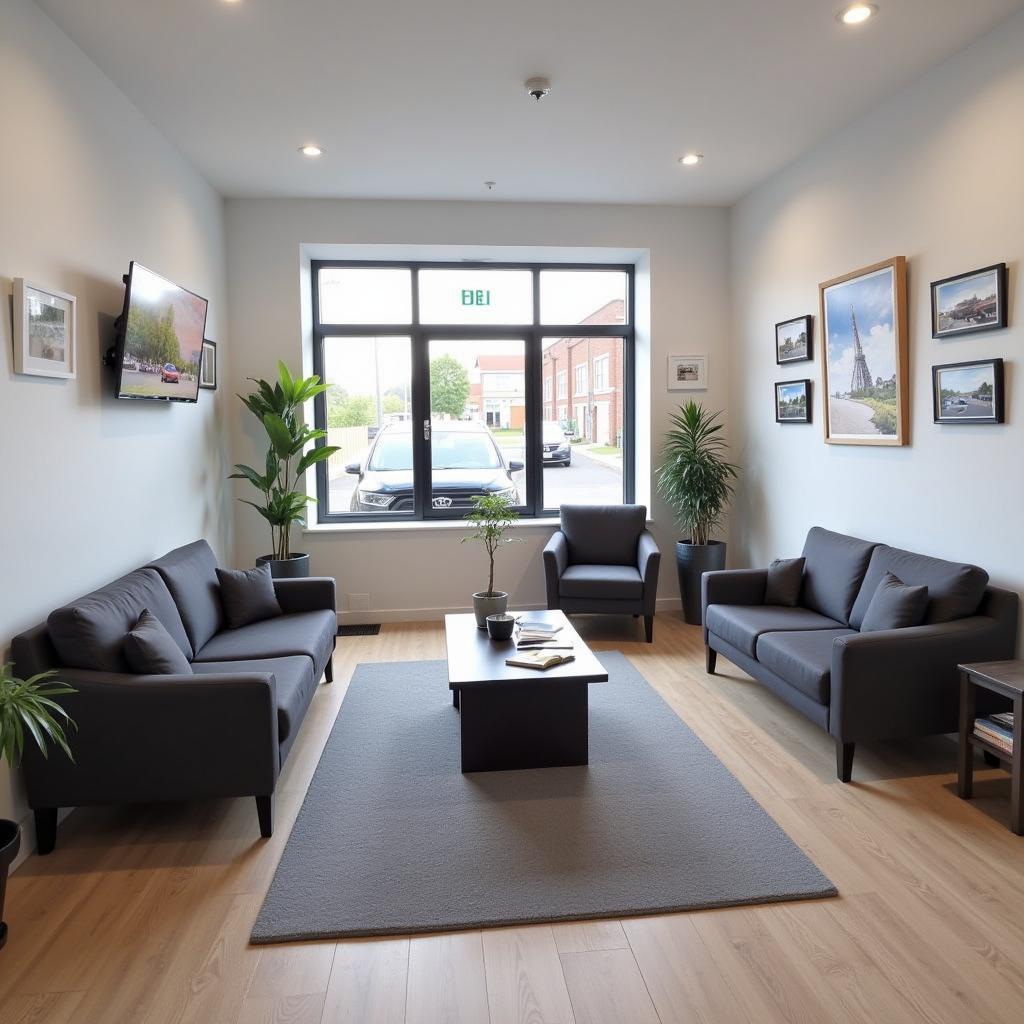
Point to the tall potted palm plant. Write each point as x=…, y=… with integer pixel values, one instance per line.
x=27, y=708
x=278, y=407
x=696, y=479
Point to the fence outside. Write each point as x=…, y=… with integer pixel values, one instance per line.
x=352, y=442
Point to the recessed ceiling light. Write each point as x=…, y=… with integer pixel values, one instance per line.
x=856, y=14
x=691, y=159
x=311, y=149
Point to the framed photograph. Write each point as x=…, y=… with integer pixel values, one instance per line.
x=208, y=366
x=45, y=332
x=968, y=392
x=969, y=303
x=793, y=401
x=687, y=373
x=793, y=341
x=864, y=371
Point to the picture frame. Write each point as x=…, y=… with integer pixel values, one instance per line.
x=208, y=366
x=865, y=362
x=687, y=373
x=794, y=340
x=969, y=303
x=969, y=392
x=45, y=331
x=793, y=401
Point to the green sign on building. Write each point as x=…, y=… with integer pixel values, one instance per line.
x=476, y=296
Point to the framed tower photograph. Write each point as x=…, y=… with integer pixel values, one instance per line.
x=864, y=371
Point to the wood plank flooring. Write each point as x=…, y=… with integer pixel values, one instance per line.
x=142, y=915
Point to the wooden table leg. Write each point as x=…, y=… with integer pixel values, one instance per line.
x=1017, y=770
x=965, y=773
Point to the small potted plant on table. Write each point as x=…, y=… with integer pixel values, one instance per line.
x=492, y=515
x=26, y=706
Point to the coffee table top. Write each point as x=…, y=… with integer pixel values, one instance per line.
x=474, y=659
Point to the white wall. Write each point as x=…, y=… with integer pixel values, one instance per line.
x=416, y=574
x=934, y=175
x=92, y=487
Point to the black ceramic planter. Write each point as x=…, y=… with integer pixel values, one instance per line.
x=293, y=567
x=692, y=561
x=10, y=843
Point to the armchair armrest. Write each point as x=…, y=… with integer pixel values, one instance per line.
x=648, y=562
x=309, y=594
x=731, y=586
x=903, y=682
x=556, y=561
x=160, y=737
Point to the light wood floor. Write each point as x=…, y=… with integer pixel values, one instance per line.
x=143, y=914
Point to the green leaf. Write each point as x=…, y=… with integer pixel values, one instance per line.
x=313, y=456
x=279, y=434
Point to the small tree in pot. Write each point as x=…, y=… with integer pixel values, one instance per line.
x=492, y=515
x=26, y=706
x=697, y=481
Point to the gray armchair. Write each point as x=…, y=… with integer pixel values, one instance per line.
x=603, y=560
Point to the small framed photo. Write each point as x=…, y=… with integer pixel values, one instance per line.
x=968, y=392
x=793, y=342
x=45, y=332
x=208, y=366
x=687, y=373
x=969, y=303
x=793, y=401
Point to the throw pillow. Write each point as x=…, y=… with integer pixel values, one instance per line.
x=151, y=651
x=894, y=605
x=785, y=578
x=247, y=595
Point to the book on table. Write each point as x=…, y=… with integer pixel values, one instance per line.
x=997, y=730
x=539, y=659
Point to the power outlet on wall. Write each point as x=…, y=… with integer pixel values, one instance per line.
x=358, y=602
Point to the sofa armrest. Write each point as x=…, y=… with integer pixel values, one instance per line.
x=904, y=682
x=309, y=594
x=731, y=586
x=160, y=737
x=556, y=561
x=648, y=562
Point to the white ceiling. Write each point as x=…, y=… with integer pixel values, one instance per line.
x=424, y=98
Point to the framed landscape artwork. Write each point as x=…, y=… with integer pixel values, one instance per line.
x=208, y=366
x=793, y=341
x=793, y=401
x=687, y=373
x=45, y=331
x=864, y=371
x=969, y=303
x=968, y=392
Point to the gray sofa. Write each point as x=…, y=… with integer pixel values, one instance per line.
x=222, y=731
x=860, y=686
x=603, y=560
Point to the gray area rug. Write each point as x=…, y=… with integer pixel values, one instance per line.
x=393, y=839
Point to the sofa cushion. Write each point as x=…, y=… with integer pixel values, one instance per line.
x=89, y=632
x=955, y=589
x=247, y=595
x=742, y=624
x=803, y=659
x=190, y=573
x=309, y=633
x=603, y=534
x=151, y=650
x=895, y=606
x=785, y=581
x=294, y=690
x=834, y=569
x=602, y=582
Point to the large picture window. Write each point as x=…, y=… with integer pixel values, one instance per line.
x=447, y=381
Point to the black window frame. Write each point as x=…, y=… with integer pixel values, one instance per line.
x=420, y=335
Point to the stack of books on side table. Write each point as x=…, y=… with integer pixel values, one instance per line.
x=997, y=730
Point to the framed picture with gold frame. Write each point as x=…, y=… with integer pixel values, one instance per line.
x=866, y=355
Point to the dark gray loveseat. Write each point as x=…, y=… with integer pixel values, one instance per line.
x=885, y=684
x=222, y=731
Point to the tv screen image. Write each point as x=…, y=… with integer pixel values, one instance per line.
x=162, y=331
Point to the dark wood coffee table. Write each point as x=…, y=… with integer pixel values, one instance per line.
x=518, y=717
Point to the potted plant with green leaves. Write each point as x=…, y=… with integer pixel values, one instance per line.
x=278, y=407
x=27, y=712
x=696, y=480
x=491, y=518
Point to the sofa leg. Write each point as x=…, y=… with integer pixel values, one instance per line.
x=844, y=761
x=649, y=628
x=265, y=809
x=46, y=830
x=710, y=660
x=329, y=670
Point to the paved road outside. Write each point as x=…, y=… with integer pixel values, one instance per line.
x=849, y=417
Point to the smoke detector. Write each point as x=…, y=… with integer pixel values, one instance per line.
x=538, y=87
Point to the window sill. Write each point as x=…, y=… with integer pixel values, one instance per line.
x=420, y=525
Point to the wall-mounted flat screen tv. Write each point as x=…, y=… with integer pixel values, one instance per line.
x=160, y=339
